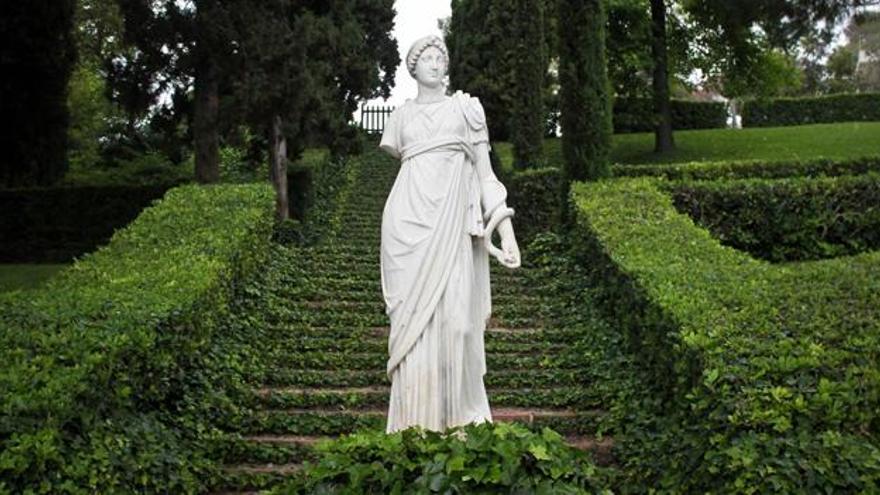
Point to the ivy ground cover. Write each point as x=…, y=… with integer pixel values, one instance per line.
x=323, y=335
x=761, y=377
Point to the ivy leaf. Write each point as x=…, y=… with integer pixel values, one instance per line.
x=539, y=451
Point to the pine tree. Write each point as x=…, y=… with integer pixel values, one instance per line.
x=37, y=58
x=584, y=90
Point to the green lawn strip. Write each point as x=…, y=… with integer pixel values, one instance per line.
x=839, y=141
x=26, y=276
x=99, y=364
x=754, y=397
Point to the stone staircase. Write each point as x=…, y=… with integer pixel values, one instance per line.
x=328, y=333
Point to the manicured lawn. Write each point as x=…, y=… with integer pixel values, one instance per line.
x=25, y=276
x=840, y=140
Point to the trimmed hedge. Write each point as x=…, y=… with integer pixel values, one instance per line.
x=820, y=167
x=765, y=376
x=112, y=373
x=637, y=115
x=535, y=196
x=58, y=224
x=847, y=107
x=788, y=219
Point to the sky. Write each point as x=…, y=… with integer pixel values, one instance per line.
x=415, y=18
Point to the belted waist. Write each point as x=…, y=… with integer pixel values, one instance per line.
x=454, y=143
x=446, y=143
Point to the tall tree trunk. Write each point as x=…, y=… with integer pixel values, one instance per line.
x=278, y=168
x=207, y=102
x=663, y=139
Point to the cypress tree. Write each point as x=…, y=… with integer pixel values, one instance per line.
x=584, y=90
x=37, y=58
x=530, y=65
x=480, y=58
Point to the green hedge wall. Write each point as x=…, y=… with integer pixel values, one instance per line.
x=61, y=223
x=637, y=115
x=821, y=167
x=111, y=373
x=788, y=219
x=765, y=377
x=535, y=195
x=811, y=110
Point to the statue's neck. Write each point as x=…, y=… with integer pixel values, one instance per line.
x=430, y=95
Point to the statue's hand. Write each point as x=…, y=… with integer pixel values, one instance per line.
x=510, y=256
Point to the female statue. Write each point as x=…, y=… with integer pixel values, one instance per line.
x=436, y=228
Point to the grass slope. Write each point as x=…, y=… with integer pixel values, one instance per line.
x=18, y=276
x=839, y=140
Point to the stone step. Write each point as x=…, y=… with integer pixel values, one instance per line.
x=358, y=397
x=323, y=360
x=309, y=286
x=297, y=314
x=346, y=343
x=520, y=378
x=344, y=334
x=339, y=421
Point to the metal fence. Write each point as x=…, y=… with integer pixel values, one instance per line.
x=373, y=118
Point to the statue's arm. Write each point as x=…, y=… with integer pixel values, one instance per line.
x=493, y=195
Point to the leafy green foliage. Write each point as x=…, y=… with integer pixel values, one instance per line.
x=61, y=223
x=534, y=195
x=820, y=167
x=37, y=57
x=485, y=458
x=527, y=126
x=118, y=368
x=788, y=219
x=811, y=110
x=762, y=376
x=636, y=114
x=584, y=90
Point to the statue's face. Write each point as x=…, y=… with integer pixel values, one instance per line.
x=431, y=67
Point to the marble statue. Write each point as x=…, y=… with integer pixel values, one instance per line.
x=436, y=243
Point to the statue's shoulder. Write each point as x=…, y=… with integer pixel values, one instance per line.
x=472, y=108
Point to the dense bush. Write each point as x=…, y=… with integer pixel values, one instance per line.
x=765, y=377
x=811, y=110
x=821, y=167
x=37, y=57
x=484, y=458
x=637, y=115
x=317, y=189
x=58, y=224
x=112, y=373
x=534, y=195
x=788, y=219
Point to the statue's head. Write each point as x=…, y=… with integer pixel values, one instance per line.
x=427, y=60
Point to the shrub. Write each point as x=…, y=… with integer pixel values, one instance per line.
x=484, y=458
x=637, y=115
x=317, y=190
x=811, y=110
x=534, y=195
x=765, y=376
x=59, y=223
x=788, y=219
x=112, y=373
x=752, y=168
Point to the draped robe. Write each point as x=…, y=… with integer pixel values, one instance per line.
x=435, y=272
